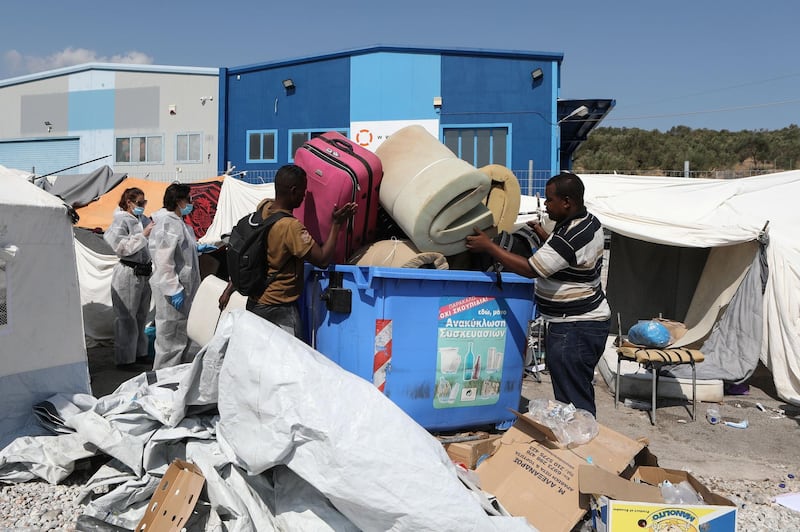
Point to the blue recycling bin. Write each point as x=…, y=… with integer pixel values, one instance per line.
x=446, y=346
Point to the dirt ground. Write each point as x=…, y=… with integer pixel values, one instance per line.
x=766, y=449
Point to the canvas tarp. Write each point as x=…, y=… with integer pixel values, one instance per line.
x=42, y=349
x=100, y=213
x=715, y=215
x=78, y=190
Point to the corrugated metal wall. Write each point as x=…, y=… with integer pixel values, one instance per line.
x=44, y=155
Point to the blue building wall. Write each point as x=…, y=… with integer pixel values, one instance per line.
x=499, y=92
x=394, y=86
x=343, y=91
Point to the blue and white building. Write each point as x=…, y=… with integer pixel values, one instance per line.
x=488, y=106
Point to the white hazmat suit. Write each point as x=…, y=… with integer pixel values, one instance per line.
x=175, y=269
x=130, y=289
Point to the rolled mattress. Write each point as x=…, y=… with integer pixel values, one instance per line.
x=204, y=315
x=435, y=197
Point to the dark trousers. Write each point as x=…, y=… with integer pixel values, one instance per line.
x=572, y=350
x=285, y=316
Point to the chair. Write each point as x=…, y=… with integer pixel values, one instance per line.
x=653, y=359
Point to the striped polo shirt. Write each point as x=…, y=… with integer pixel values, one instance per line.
x=568, y=266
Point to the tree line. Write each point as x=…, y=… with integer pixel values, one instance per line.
x=633, y=150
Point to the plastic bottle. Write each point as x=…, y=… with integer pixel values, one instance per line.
x=712, y=415
x=469, y=363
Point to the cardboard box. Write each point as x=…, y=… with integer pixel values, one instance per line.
x=635, y=505
x=536, y=478
x=174, y=498
x=468, y=452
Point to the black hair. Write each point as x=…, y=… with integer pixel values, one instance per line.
x=568, y=185
x=288, y=176
x=174, y=193
x=130, y=194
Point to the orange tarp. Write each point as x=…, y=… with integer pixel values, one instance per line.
x=100, y=212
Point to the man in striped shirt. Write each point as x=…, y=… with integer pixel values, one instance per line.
x=568, y=292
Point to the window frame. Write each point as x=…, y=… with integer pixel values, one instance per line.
x=472, y=127
x=189, y=134
x=310, y=134
x=147, y=151
x=5, y=264
x=261, y=133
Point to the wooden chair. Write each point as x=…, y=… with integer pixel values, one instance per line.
x=653, y=359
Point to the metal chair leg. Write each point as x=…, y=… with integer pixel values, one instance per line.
x=616, y=382
x=654, y=368
x=694, y=392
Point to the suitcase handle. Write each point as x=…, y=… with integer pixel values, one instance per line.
x=342, y=145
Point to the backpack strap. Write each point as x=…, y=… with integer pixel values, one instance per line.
x=270, y=220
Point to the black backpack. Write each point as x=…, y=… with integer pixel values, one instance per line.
x=247, y=253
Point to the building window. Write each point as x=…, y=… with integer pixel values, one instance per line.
x=297, y=137
x=479, y=145
x=140, y=149
x=3, y=293
x=262, y=146
x=189, y=148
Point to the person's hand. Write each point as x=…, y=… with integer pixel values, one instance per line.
x=148, y=229
x=178, y=299
x=344, y=213
x=478, y=242
x=225, y=297
x=206, y=248
x=538, y=229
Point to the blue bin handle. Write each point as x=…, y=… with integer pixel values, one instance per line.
x=362, y=275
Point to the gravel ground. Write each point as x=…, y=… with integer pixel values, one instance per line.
x=38, y=506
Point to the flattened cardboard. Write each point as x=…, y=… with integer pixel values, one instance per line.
x=535, y=478
x=634, y=505
x=174, y=499
x=468, y=452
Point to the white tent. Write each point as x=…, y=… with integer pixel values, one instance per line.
x=722, y=216
x=42, y=350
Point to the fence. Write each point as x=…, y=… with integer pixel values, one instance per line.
x=530, y=182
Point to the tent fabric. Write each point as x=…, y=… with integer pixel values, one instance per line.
x=236, y=199
x=100, y=213
x=42, y=350
x=81, y=189
x=95, y=268
x=709, y=213
x=204, y=198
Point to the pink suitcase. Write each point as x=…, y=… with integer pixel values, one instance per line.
x=339, y=171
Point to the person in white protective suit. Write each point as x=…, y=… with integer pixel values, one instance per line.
x=130, y=287
x=176, y=275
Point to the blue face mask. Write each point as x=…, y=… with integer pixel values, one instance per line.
x=187, y=209
x=138, y=211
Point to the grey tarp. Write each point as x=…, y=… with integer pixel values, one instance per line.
x=78, y=190
x=286, y=440
x=732, y=349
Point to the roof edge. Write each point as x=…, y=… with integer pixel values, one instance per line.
x=125, y=67
x=377, y=48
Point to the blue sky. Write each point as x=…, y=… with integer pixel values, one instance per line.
x=704, y=64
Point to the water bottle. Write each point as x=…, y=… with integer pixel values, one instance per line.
x=712, y=415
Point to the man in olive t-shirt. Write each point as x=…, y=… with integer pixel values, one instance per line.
x=289, y=245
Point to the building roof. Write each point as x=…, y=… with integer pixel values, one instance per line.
x=125, y=67
x=378, y=48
